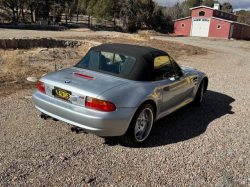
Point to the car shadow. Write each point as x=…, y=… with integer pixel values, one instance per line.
x=187, y=122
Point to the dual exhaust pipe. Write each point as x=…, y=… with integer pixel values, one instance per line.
x=77, y=130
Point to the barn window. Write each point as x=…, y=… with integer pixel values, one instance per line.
x=201, y=13
x=221, y=13
x=182, y=25
x=218, y=26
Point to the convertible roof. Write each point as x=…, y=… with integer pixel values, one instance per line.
x=144, y=66
x=130, y=50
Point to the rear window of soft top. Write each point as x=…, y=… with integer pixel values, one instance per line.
x=108, y=62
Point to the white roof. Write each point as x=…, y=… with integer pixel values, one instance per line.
x=230, y=21
x=201, y=7
x=223, y=20
x=182, y=18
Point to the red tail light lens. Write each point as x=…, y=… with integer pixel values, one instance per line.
x=41, y=87
x=98, y=104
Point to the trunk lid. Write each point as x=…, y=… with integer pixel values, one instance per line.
x=79, y=83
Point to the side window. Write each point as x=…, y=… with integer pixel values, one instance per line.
x=163, y=68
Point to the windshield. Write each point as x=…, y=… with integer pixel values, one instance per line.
x=108, y=62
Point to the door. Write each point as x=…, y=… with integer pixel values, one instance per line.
x=231, y=31
x=175, y=91
x=174, y=85
x=200, y=27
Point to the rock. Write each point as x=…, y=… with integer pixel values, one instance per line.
x=88, y=180
x=44, y=49
x=28, y=97
x=32, y=79
x=3, y=44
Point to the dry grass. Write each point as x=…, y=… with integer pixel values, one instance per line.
x=17, y=65
x=175, y=49
x=15, y=69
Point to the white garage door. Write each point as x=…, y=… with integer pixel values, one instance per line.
x=200, y=27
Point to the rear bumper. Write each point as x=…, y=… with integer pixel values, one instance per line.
x=99, y=123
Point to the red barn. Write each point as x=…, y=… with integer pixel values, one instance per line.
x=211, y=22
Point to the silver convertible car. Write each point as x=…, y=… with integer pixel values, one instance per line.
x=119, y=90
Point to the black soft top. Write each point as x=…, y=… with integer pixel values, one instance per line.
x=144, y=66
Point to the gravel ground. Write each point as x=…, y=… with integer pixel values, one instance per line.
x=204, y=146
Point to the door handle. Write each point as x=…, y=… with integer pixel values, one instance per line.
x=195, y=79
x=166, y=88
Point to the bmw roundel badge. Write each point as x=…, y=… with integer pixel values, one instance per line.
x=68, y=81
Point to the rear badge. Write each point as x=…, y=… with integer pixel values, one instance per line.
x=81, y=97
x=68, y=81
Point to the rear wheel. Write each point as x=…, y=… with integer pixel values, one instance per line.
x=199, y=95
x=140, y=126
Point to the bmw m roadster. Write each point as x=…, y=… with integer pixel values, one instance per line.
x=119, y=90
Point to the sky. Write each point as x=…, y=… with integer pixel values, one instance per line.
x=237, y=4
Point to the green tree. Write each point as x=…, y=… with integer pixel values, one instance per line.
x=14, y=6
x=130, y=13
x=105, y=9
x=185, y=9
x=227, y=7
x=90, y=6
x=82, y=6
x=194, y=3
x=243, y=16
x=209, y=3
x=176, y=11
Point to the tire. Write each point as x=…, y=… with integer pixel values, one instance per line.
x=199, y=95
x=140, y=126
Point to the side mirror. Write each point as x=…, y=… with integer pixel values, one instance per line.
x=181, y=73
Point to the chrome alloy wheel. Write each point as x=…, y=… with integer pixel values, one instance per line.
x=144, y=124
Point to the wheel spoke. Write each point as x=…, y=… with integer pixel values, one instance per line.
x=140, y=135
x=137, y=130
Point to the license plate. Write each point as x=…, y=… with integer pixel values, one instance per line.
x=62, y=94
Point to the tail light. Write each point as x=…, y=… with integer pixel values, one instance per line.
x=98, y=104
x=41, y=87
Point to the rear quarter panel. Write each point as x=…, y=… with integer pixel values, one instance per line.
x=133, y=94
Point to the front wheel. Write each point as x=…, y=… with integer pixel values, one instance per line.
x=140, y=126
